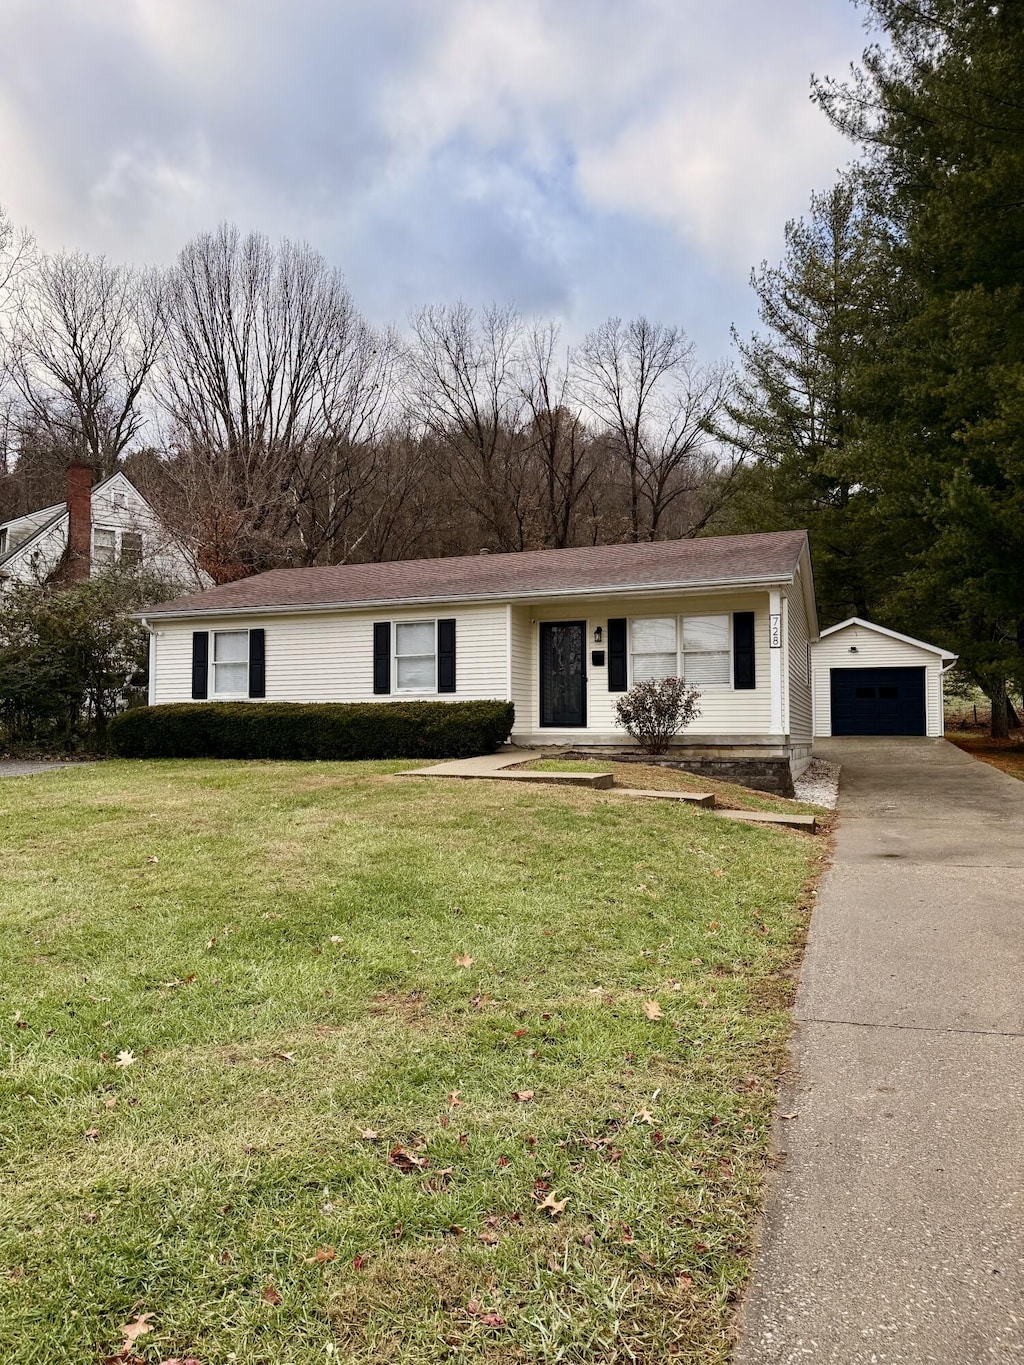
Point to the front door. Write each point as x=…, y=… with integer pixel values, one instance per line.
x=563, y=674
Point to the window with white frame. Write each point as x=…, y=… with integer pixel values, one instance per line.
x=104, y=547
x=653, y=648
x=230, y=663
x=416, y=656
x=697, y=648
x=111, y=545
x=707, y=651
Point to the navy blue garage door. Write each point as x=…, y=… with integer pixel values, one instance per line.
x=878, y=701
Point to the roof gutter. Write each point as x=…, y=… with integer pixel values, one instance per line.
x=524, y=599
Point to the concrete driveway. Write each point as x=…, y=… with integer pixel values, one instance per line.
x=895, y=1225
x=26, y=767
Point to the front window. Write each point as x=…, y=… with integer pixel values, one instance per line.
x=706, y=650
x=416, y=656
x=696, y=648
x=653, y=648
x=104, y=547
x=230, y=663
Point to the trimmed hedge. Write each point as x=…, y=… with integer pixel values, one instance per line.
x=321, y=730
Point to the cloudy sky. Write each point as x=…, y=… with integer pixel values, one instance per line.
x=580, y=157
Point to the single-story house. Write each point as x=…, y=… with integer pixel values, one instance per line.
x=872, y=681
x=560, y=633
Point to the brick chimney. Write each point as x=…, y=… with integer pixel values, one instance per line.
x=79, y=499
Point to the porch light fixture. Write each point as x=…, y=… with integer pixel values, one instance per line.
x=597, y=635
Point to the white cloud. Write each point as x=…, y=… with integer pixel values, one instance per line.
x=576, y=154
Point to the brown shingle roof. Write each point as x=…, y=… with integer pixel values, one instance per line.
x=535, y=573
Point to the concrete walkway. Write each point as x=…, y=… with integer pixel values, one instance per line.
x=895, y=1225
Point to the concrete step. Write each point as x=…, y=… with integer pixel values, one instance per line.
x=773, y=817
x=595, y=781
x=592, y=781
x=702, y=799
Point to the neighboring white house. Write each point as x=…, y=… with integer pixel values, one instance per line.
x=561, y=633
x=96, y=527
x=872, y=681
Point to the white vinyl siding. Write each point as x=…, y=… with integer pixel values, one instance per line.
x=328, y=656
x=524, y=694
x=873, y=650
x=798, y=679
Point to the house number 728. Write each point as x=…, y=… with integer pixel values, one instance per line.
x=775, y=632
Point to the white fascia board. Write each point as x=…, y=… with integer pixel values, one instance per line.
x=472, y=599
x=892, y=634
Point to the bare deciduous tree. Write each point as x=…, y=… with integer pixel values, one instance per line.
x=276, y=390
x=85, y=338
x=658, y=409
x=467, y=396
x=559, y=440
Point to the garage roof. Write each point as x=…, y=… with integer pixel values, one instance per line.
x=892, y=634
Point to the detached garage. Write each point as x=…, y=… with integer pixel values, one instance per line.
x=871, y=681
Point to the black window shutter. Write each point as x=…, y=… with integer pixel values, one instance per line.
x=743, y=672
x=446, y=656
x=617, y=680
x=200, y=664
x=257, y=664
x=381, y=657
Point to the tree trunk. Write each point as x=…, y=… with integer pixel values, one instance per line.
x=1000, y=725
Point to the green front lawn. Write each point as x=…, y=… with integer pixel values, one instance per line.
x=311, y=1062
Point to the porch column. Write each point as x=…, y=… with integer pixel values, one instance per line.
x=775, y=657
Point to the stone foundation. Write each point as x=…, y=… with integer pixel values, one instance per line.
x=774, y=775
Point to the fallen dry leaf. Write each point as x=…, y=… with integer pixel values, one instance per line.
x=285, y=1056
x=644, y=1116
x=653, y=1010
x=359, y=1261
x=369, y=1135
x=91, y=1134
x=489, y=1237
x=464, y=960
x=489, y=1319
x=684, y=1281
x=270, y=1295
x=552, y=1205
x=152, y=859
x=138, y=1327
x=321, y=1256
x=337, y=938
x=404, y=1160
x=453, y=1098
x=110, y=1102
x=523, y=1096
x=126, y=1057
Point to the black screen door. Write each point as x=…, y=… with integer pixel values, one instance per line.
x=563, y=691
